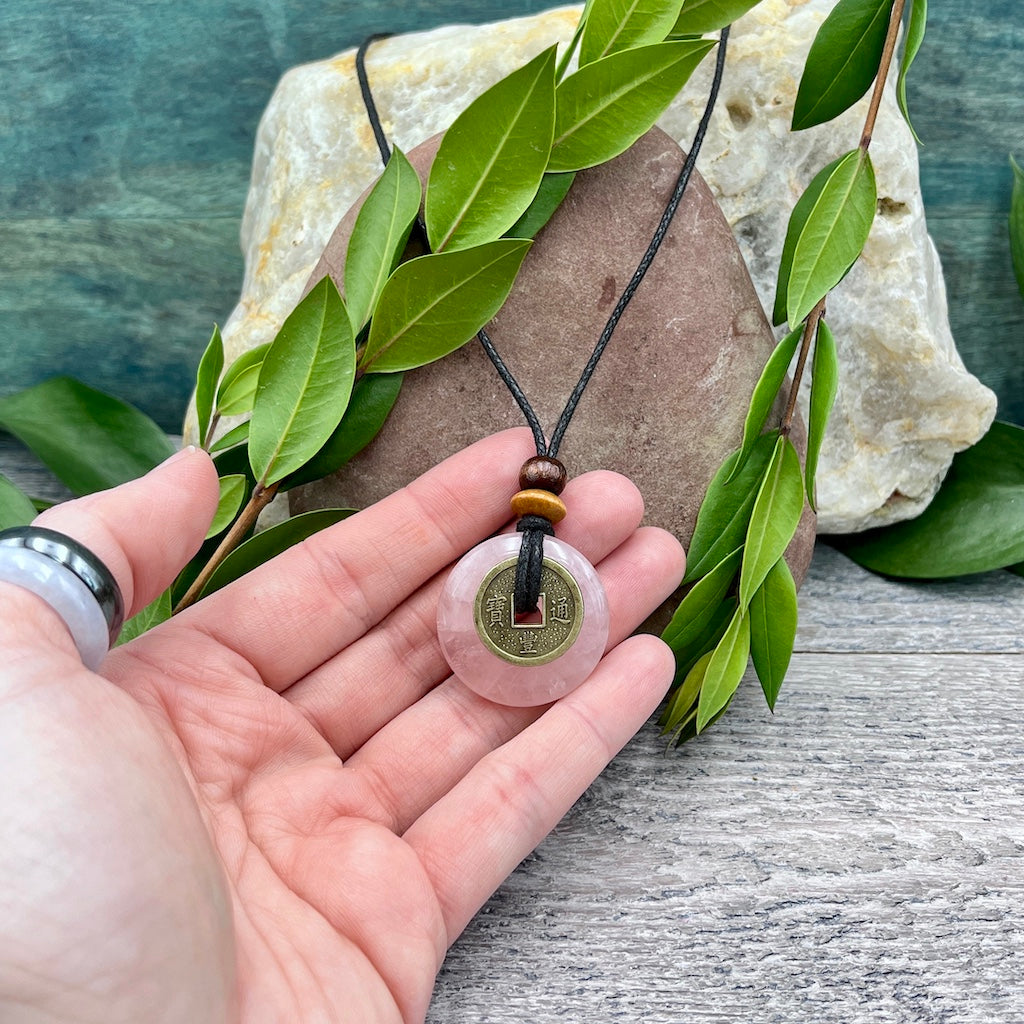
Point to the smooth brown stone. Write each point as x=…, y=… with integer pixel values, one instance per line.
x=668, y=401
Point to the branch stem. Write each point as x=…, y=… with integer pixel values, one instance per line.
x=260, y=499
x=895, y=18
x=810, y=331
x=210, y=431
x=814, y=317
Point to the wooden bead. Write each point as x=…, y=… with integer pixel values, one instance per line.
x=535, y=502
x=543, y=472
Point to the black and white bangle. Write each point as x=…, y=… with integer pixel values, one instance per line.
x=69, y=578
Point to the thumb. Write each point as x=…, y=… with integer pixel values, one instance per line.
x=145, y=530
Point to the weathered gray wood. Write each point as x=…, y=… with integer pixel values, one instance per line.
x=846, y=608
x=21, y=467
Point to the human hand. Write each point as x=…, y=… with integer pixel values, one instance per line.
x=279, y=805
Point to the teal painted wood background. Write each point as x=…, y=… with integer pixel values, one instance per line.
x=126, y=132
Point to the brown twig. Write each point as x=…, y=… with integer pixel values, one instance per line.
x=895, y=18
x=814, y=317
x=261, y=498
x=207, y=441
x=810, y=332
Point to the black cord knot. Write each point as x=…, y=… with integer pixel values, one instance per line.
x=531, y=561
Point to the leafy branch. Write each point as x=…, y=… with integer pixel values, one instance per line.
x=753, y=506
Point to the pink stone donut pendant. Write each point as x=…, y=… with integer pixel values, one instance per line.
x=528, y=662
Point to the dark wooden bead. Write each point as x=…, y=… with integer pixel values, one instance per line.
x=543, y=473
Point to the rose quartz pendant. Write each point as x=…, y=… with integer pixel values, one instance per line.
x=535, y=660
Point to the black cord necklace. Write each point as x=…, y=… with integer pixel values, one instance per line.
x=508, y=602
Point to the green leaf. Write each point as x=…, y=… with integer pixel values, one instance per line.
x=725, y=511
x=16, y=507
x=89, y=440
x=774, y=519
x=916, y=25
x=235, y=436
x=603, y=108
x=152, y=615
x=687, y=657
x=725, y=669
x=684, y=697
x=270, y=543
x=434, y=304
x=379, y=236
x=975, y=523
x=687, y=729
x=697, y=610
x=491, y=160
x=700, y=16
x=553, y=189
x=834, y=234
x=765, y=393
x=253, y=357
x=773, y=618
x=615, y=25
x=372, y=400
x=304, y=385
x=234, y=460
x=210, y=366
x=574, y=42
x=1017, y=224
x=824, y=383
x=237, y=397
x=843, y=60
x=797, y=220
x=233, y=491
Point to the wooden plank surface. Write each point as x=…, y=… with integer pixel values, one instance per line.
x=856, y=858
x=126, y=135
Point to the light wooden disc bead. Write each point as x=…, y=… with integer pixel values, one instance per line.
x=535, y=502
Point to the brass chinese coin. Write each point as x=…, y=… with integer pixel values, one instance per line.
x=536, y=639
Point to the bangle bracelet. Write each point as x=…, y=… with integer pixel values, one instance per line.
x=69, y=578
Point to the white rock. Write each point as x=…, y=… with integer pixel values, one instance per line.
x=906, y=403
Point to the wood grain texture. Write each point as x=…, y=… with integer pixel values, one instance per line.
x=126, y=137
x=857, y=858
x=845, y=608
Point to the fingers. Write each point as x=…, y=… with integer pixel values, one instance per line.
x=294, y=613
x=605, y=509
x=463, y=727
x=144, y=531
x=473, y=838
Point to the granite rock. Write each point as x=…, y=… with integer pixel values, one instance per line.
x=905, y=404
x=668, y=400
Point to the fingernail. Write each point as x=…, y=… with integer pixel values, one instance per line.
x=188, y=450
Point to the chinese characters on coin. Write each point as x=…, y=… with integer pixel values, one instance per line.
x=537, y=639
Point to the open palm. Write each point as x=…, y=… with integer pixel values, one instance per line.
x=279, y=806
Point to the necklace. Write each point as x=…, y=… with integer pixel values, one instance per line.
x=523, y=618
